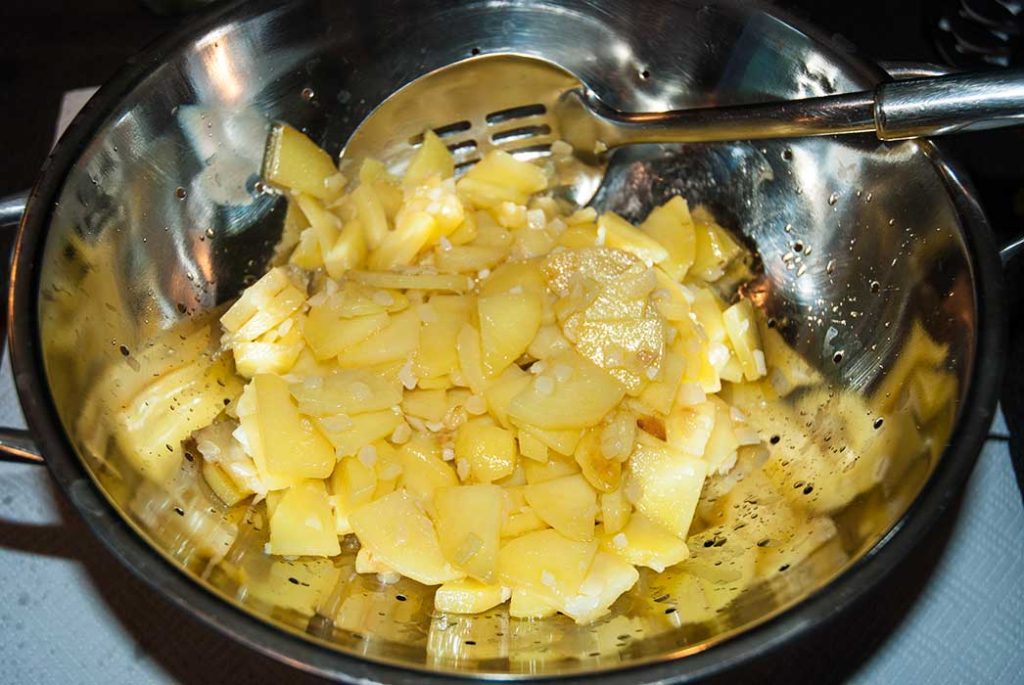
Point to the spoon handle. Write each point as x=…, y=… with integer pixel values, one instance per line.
x=946, y=104
x=894, y=111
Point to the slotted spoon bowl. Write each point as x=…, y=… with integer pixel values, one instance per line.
x=524, y=105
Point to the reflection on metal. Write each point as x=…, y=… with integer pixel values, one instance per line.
x=131, y=265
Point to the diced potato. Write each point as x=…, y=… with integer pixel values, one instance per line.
x=545, y=563
x=503, y=170
x=508, y=323
x=714, y=247
x=429, y=405
x=328, y=335
x=563, y=442
x=615, y=511
x=576, y=398
x=432, y=159
x=397, y=341
x=469, y=520
x=608, y=578
x=471, y=364
x=667, y=484
x=296, y=163
x=568, y=504
x=490, y=451
x=526, y=604
x=269, y=356
x=468, y=259
x=397, y=532
x=645, y=543
x=222, y=484
x=671, y=225
x=455, y=283
x=353, y=484
x=291, y=445
x=423, y=470
x=512, y=277
x=501, y=390
x=741, y=326
x=787, y=369
x=537, y=472
x=371, y=215
x=622, y=235
x=349, y=434
x=443, y=318
x=531, y=447
x=469, y=596
x=720, y=449
x=688, y=428
x=602, y=472
x=302, y=523
x=264, y=305
x=347, y=391
x=348, y=252
x=152, y=424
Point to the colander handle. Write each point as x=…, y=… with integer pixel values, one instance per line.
x=16, y=444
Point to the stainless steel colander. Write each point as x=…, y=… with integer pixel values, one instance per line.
x=149, y=216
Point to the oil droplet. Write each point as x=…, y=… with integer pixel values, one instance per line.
x=308, y=94
x=892, y=222
x=878, y=422
x=209, y=233
x=259, y=187
x=788, y=228
x=180, y=193
x=833, y=199
x=125, y=351
x=831, y=266
x=867, y=198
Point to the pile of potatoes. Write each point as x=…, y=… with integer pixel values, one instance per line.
x=497, y=394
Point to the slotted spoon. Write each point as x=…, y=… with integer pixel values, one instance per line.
x=523, y=105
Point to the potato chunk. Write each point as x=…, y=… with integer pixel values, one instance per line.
x=469, y=519
x=302, y=523
x=398, y=533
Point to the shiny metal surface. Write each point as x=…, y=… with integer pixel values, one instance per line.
x=160, y=220
x=18, y=446
x=522, y=104
x=959, y=102
x=11, y=209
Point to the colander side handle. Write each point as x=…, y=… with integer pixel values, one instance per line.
x=16, y=444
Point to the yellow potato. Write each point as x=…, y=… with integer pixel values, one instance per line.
x=568, y=504
x=469, y=596
x=432, y=159
x=296, y=163
x=571, y=393
x=489, y=451
x=508, y=323
x=302, y=523
x=671, y=225
x=398, y=533
x=667, y=484
x=469, y=520
x=292, y=446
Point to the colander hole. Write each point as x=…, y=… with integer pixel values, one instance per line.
x=443, y=131
x=464, y=146
x=515, y=113
x=529, y=152
x=475, y=51
x=520, y=133
x=645, y=74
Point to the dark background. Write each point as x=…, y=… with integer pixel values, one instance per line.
x=50, y=46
